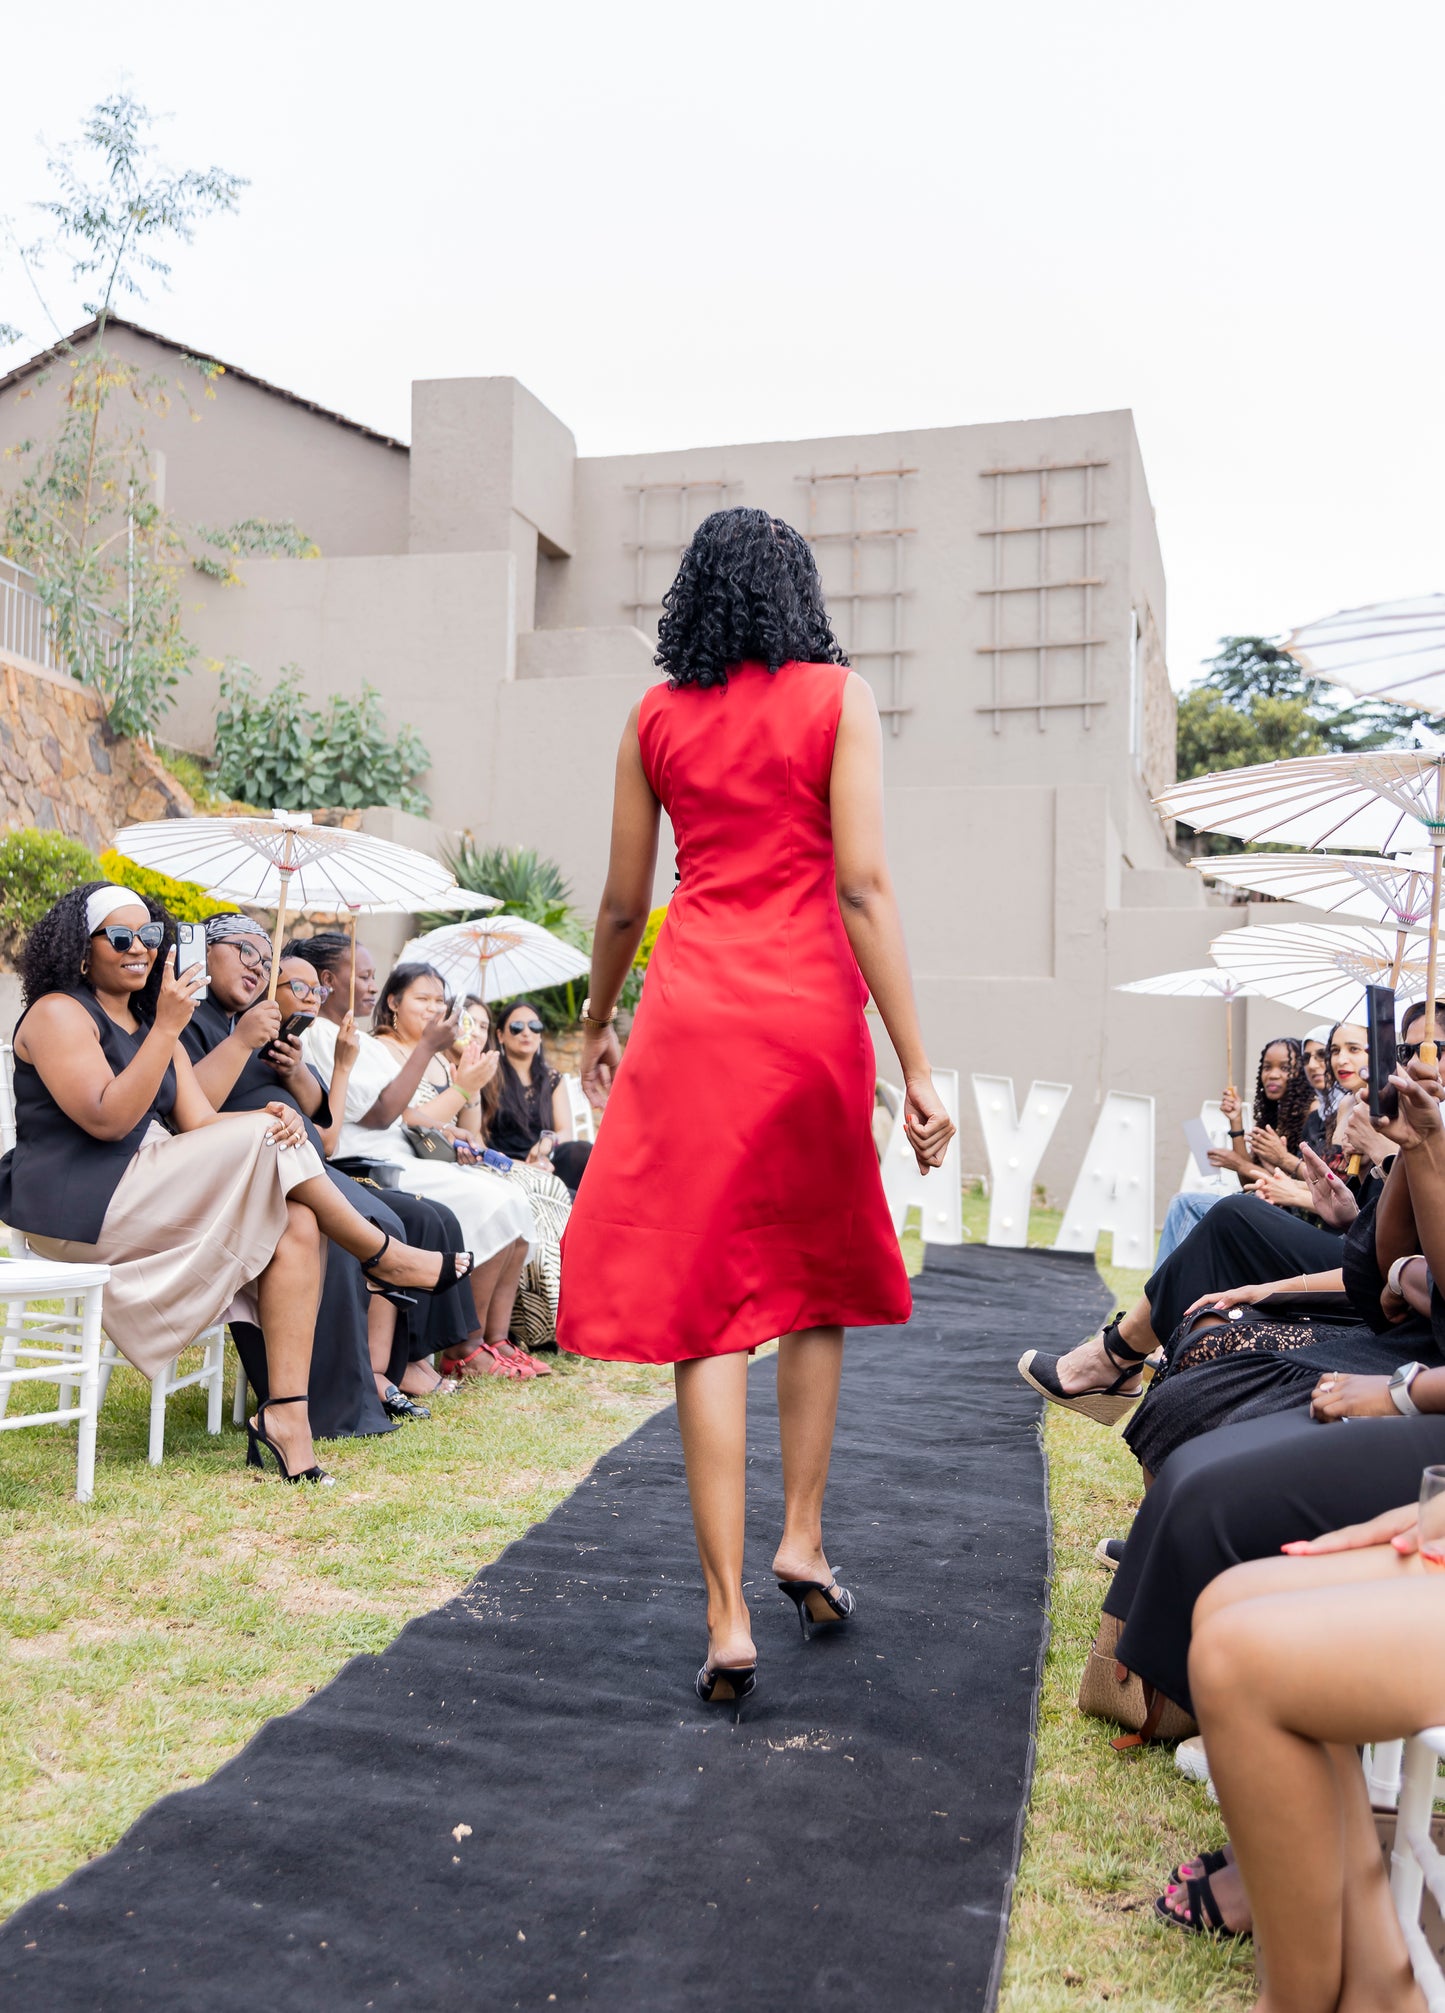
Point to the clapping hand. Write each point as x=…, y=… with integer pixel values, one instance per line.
x=1267, y=1146
x=477, y=1068
x=1282, y=1190
x=1330, y=1199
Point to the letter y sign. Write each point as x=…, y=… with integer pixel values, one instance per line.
x=1015, y=1146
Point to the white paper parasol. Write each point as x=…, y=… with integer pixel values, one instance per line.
x=1395, y=892
x=1320, y=968
x=1201, y=983
x=286, y=863
x=1387, y=801
x=1391, y=650
x=498, y=957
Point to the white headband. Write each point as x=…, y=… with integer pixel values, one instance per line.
x=105, y=901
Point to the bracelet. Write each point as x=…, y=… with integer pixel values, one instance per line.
x=1236, y=1132
x=597, y=1020
x=1396, y=1273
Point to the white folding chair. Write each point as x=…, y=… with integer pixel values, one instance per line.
x=43, y=1347
x=584, y=1118
x=1415, y=1863
x=166, y=1381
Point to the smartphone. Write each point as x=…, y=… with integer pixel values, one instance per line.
x=191, y=952
x=1381, y=1036
x=291, y=1029
x=547, y=1142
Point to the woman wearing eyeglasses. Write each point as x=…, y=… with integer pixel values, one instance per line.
x=529, y=1101
x=121, y=1158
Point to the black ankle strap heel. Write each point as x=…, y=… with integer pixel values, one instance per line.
x=257, y=1437
x=826, y=1607
x=452, y=1269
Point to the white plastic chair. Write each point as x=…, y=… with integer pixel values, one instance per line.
x=1415, y=1863
x=42, y=1347
x=166, y=1382
x=584, y=1118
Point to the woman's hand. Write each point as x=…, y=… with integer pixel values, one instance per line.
x=176, y=1001
x=288, y=1129
x=1330, y=1199
x=1361, y=1134
x=441, y=1034
x=348, y=1044
x=285, y=1059
x=926, y=1124
x=477, y=1068
x=1337, y=1396
x=1391, y=1527
x=1232, y=1296
x=1283, y=1190
x=1267, y=1147
x=259, y=1025
x=1229, y=1104
x=1418, y=1117
x=1237, y=1163
x=536, y=1158
x=601, y=1053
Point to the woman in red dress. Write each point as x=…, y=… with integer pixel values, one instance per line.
x=733, y=1195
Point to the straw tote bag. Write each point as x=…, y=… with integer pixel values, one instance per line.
x=534, y=1315
x=1109, y=1691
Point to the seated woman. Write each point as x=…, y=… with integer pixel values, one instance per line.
x=241, y=1065
x=378, y=1092
x=1242, y=1241
x=530, y=1102
x=1283, y=1102
x=120, y=1158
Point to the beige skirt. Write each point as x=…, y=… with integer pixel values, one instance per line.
x=196, y=1217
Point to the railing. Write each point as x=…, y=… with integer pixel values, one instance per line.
x=27, y=627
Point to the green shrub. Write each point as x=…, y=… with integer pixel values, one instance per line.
x=279, y=751
x=36, y=869
x=187, y=902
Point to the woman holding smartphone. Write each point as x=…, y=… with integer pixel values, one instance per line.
x=763, y=1215
x=121, y=1158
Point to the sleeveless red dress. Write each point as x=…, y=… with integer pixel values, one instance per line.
x=733, y=1194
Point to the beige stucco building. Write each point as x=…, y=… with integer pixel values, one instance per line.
x=1000, y=585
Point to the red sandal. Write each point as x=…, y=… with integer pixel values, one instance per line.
x=482, y=1361
x=516, y=1358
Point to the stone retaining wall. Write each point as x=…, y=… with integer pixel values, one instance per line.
x=60, y=771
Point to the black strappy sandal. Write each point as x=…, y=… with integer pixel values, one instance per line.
x=257, y=1437
x=451, y=1272
x=825, y=1607
x=1204, y=1917
x=1107, y=1404
x=1210, y=1864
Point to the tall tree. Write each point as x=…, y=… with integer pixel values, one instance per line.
x=84, y=517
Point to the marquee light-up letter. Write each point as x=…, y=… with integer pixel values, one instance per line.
x=1115, y=1188
x=1015, y=1146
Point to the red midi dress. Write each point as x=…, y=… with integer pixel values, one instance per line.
x=733, y=1194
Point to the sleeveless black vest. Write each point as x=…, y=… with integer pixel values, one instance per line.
x=258, y=1084
x=58, y=1179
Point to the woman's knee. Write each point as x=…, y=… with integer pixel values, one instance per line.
x=302, y=1232
x=1229, y=1657
x=1239, y=1583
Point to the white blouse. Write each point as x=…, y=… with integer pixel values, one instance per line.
x=375, y=1067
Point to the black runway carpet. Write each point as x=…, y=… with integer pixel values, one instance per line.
x=520, y=1804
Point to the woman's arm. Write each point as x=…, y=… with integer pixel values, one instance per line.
x=1395, y=1232
x=1298, y=1284
x=343, y=1060
x=869, y=910
x=219, y=1072
x=192, y=1108
x=562, y=1112
x=622, y=917
x=61, y=1041
x=394, y=1100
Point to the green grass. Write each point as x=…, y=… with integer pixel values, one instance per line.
x=153, y=1630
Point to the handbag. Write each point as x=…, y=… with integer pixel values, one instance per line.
x=429, y=1142
x=1109, y=1691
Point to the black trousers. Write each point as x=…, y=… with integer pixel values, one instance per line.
x=1240, y=1493
x=1241, y=1242
x=570, y=1158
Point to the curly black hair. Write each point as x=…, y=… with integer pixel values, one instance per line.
x=747, y=591
x=1294, y=1107
x=324, y=951
x=54, y=956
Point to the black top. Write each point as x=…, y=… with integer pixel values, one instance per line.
x=258, y=1084
x=524, y=1113
x=58, y=1179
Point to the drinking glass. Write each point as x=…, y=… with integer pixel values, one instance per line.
x=1432, y=1519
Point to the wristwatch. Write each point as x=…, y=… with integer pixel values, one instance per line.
x=1399, y=1387
x=597, y=1020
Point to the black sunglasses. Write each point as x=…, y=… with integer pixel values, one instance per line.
x=1406, y=1051
x=524, y=1026
x=152, y=935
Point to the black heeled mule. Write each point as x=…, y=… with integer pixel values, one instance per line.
x=826, y=1607
x=257, y=1437
x=451, y=1271
x=726, y=1684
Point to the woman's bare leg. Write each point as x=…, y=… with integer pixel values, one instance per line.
x=496, y=1312
x=1281, y=1707
x=712, y=1411
x=380, y=1334
x=403, y=1265
x=1090, y=1365
x=289, y=1291
x=810, y=1366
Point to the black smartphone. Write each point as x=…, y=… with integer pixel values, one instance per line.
x=1380, y=1030
x=292, y=1028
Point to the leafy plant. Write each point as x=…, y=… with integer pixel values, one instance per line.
x=85, y=519
x=277, y=749
x=187, y=902
x=36, y=869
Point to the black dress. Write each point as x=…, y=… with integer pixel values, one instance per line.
x=1241, y=1242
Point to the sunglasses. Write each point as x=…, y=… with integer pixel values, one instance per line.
x=1406, y=1051
x=151, y=935
x=524, y=1027
x=303, y=989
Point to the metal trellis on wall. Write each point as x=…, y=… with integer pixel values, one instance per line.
x=874, y=521
x=1047, y=641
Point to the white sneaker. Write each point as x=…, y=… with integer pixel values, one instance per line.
x=1191, y=1760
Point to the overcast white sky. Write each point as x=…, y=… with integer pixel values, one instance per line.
x=682, y=223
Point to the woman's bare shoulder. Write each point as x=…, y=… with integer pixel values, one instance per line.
x=54, y=1017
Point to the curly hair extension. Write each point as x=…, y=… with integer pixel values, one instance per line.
x=53, y=959
x=747, y=591
x=1289, y=1114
